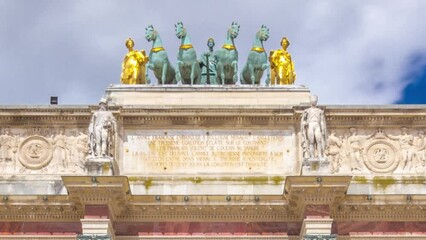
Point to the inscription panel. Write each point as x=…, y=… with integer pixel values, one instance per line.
x=211, y=152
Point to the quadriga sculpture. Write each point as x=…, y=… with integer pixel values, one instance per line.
x=158, y=60
x=227, y=56
x=188, y=69
x=257, y=60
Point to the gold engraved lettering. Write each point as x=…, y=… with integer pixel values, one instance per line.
x=213, y=152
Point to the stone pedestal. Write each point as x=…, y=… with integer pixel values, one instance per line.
x=314, y=228
x=208, y=96
x=316, y=166
x=100, y=166
x=96, y=229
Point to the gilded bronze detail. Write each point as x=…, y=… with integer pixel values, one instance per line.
x=258, y=49
x=186, y=46
x=228, y=47
x=157, y=49
x=133, y=67
x=282, y=67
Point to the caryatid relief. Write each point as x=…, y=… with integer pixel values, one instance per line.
x=406, y=144
x=332, y=150
x=8, y=148
x=101, y=131
x=356, y=149
x=60, y=150
x=313, y=129
x=419, y=154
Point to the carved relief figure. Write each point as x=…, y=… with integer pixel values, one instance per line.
x=81, y=145
x=8, y=148
x=208, y=65
x=333, y=151
x=133, y=67
x=282, y=67
x=227, y=57
x=313, y=129
x=406, y=144
x=187, y=70
x=60, y=151
x=257, y=61
x=158, y=60
x=419, y=155
x=355, y=150
x=79, y=151
x=101, y=130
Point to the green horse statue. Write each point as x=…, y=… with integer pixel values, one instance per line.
x=227, y=57
x=188, y=69
x=257, y=60
x=158, y=60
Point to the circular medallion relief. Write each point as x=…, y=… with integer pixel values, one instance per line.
x=35, y=152
x=381, y=157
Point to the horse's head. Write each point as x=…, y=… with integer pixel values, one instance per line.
x=150, y=33
x=234, y=30
x=180, y=30
x=263, y=33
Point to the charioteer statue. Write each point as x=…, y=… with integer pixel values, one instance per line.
x=208, y=65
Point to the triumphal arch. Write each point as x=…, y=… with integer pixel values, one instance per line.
x=201, y=153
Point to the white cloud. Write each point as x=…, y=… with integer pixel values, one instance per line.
x=347, y=52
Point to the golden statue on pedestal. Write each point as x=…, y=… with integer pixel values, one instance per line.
x=133, y=67
x=282, y=67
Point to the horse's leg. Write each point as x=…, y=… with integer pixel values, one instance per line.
x=178, y=75
x=235, y=65
x=251, y=72
x=148, y=66
x=220, y=73
x=193, y=71
x=164, y=73
x=266, y=67
x=242, y=78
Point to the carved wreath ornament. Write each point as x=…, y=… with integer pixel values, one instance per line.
x=381, y=157
x=35, y=152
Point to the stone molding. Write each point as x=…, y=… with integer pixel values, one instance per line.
x=125, y=207
x=93, y=237
x=319, y=237
x=316, y=227
x=384, y=237
x=97, y=227
x=207, y=96
x=281, y=237
x=37, y=237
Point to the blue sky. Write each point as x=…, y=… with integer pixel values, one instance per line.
x=346, y=52
x=414, y=92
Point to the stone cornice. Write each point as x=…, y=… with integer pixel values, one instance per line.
x=299, y=192
x=341, y=116
x=380, y=208
x=220, y=237
x=37, y=208
x=320, y=190
x=38, y=237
